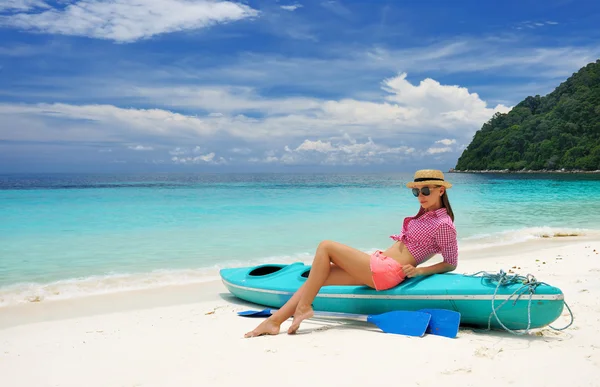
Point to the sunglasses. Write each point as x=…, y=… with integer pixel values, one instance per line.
x=426, y=191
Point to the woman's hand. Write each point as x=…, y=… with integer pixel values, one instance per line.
x=441, y=267
x=411, y=271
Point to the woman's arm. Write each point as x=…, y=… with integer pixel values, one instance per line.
x=438, y=268
x=445, y=237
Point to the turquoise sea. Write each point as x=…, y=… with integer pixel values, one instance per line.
x=67, y=235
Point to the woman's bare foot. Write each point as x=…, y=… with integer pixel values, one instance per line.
x=267, y=327
x=301, y=314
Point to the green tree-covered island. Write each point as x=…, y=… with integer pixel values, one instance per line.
x=560, y=131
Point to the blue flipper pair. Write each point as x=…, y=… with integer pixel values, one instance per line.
x=440, y=322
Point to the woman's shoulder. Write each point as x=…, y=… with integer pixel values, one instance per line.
x=442, y=215
x=445, y=230
x=444, y=221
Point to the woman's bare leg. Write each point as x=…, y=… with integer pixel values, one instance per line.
x=271, y=325
x=352, y=261
x=337, y=276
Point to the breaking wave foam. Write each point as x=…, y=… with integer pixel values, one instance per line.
x=121, y=282
x=512, y=237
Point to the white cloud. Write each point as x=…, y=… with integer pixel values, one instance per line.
x=484, y=55
x=141, y=148
x=534, y=25
x=242, y=151
x=208, y=158
x=446, y=141
x=27, y=50
x=351, y=111
x=439, y=105
x=504, y=58
x=347, y=151
x=337, y=8
x=178, y=151
x=401, y=120
x=22, y=5
x=128, y=20
x=432, y=151
x=444, y=149
x=543, y=67
x=265, y=160
x=291, y=7
x=402, y=108
x=318, y=146
x=98, y=123
x=223, y=99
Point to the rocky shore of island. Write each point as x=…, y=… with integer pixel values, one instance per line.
x=565, y=171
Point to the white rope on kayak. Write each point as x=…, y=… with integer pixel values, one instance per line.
x=529, y=284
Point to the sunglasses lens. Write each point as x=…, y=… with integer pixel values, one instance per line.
x=425, y=191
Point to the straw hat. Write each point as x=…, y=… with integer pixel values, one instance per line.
x=428, y=176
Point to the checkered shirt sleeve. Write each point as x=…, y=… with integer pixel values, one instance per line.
x=445, y=237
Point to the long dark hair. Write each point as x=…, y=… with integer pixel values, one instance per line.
x=446, y=205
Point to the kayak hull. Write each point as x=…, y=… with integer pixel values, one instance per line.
x=474, y=297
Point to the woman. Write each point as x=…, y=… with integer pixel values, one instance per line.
x=430, y=232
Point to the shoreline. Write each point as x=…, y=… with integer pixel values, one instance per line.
x=490, y=259
x=191, y=335
x=35, y=308
x=529, y=171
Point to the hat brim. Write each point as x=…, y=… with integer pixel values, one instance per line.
x=413, y=184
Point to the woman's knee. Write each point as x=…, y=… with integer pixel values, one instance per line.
x=326, y=245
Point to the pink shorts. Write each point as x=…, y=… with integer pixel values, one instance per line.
x=387, y=272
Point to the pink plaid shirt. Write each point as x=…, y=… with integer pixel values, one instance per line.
x=429, y=233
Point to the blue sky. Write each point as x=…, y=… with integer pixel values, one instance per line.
x=190, y=85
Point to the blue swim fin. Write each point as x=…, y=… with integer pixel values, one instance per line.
x=443, y=322
x=256, y=313
x=400, y=322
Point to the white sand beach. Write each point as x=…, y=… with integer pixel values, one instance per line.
x=191, y=336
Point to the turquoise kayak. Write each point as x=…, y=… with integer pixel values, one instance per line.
x=519, y=304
